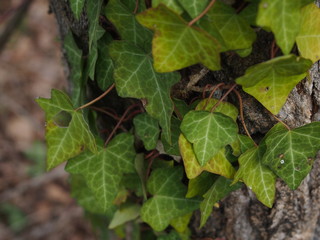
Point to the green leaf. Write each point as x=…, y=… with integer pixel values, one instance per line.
x=218, y=190
x=64, y=142
x=308, y=39
x=135, y=77
x=147, y=129
x=271, y=82
x=168, y=201
x=209, y=133
x=84, y=196
x=104, y=65
x=218, y=164
x=181, y=107
x=120, y=13
x=283, y=18
x=173, y=235
x=173, y=148
x=200, y=185
x=142, y=172
x=103, y=171
x=241, y=145
x=176, y=45
x=290, y=154
x=125, y=214
x=226, y=108
x=93, y=12
x=194, y=7
x=172, y=4
x=257, y=177
x=250, y=12
x=180, y=224
x=230, y=29
x=77, y=6
x=74, y=56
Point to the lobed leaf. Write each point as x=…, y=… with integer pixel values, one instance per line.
x=135, y=77
x=201, y=184
x=172, y=4
x=290, y=154
x=168, y=200
x=176, y=45
x=103, y=171
x=271, y=82
x=77, y=6
x=64, y=142
x=194, y=7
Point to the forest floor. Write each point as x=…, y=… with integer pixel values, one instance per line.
x=33, y=204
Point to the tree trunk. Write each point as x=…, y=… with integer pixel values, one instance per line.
x=295, y=214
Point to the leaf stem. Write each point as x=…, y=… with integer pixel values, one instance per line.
x=279, y=120
x=179, y=115
x=223, y=97
x=211, y=94
x=136, y=8
x=241, y=115
x=202, y=14
x=119, y=123
x=274, y=49
x=96, y=99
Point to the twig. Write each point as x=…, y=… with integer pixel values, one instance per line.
x=279, y=120
x=241, y=115
x=202, y=14
x=97, y=99
x=211, y=94
x=223, y=97
x=119, y=123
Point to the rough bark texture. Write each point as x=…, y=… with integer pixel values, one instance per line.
x=295, y=214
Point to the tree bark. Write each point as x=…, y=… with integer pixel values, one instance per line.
x=295, y=214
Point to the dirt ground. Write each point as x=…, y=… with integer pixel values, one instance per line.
x=33, y=204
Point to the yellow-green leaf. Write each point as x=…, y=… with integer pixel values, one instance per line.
x=176, y=45
x=271, y=82
x=308, y=39
x=68, y=139
x=218, y=164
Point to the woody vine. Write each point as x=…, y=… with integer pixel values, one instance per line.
x=161, y=158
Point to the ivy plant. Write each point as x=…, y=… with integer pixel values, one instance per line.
x=156, y=159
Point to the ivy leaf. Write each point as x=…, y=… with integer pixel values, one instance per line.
x=103, y=171
x=74, y=56
x=180, y=224
x=271, y=82
x=220, y=188
x=77, y=6
x=209, y=133
x=250, y=12
x=256, y=176
x=173, y=148
x=226, y=108
x=308, y=39
x=283, y=18
x=178, y=45
x=120, y=13
x=67, y=141
x=104, y=66
x=241, y=145
x=168, y=201
x=135, y=77
x=147, y=129
x=231, y=30
x=218, y=164
x=124, y=214
x=194, y=7
x=201, y=184
x=172, y=4
x=290, y=154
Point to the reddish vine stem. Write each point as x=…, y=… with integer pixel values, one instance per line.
x=96, y=99
x=202, y=14
x=119, y=123
x=211, y=94
x=179, y=115
x=279, y=120
x=241, y=115
x=208, y=86
x=223, y=97
x=150, y=163
x=113, y=115
x=150, y=154
x=274, y=49
x=136, y=8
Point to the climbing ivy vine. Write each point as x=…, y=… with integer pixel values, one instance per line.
x=155, y=159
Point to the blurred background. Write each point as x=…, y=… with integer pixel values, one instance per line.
x=33, y=204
